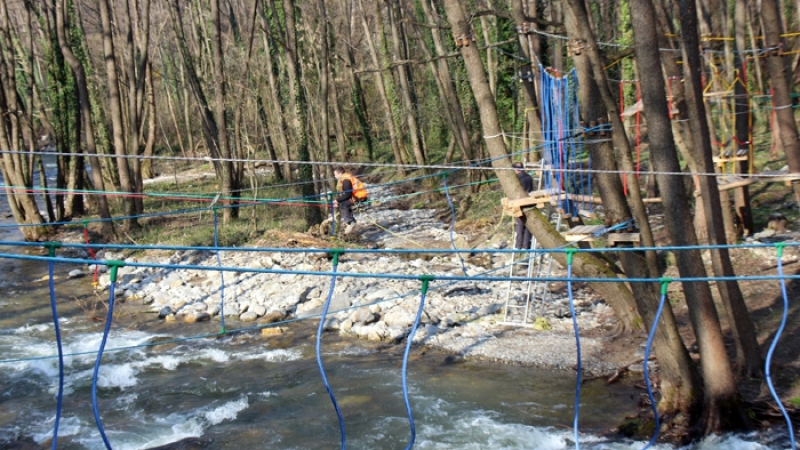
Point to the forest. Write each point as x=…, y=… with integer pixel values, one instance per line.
x=105, y=89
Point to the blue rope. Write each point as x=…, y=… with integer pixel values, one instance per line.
x=60, y=355
x=453, y=224
x=425, y=281
x=653, y=439
x=109, y=317
x=578, y=346
x=319, y=356
x=772, y=346
x=400, y=276
x=221, y=276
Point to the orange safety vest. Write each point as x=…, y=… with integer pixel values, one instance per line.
x=359, y=190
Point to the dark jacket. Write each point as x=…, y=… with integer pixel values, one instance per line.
x=347, y=191
x=526, y=181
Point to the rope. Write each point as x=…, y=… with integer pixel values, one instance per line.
x=452, y=167
x=114, y=266
x=561, y=249
x=570, y=253
x=400, y=276
x=453, y=224
x=664, y=283
x=336, y=254
x=52, y=248
x=425, y=280
x=772, y=346
x=221, y=276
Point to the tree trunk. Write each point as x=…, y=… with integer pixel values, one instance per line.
x=324, y=71
x=409, y=96
x=313, y=215
x=229, y=185
x=380, y=86
x=678, y=375
x=279, y=126
x=584, y=264
x=115, y=104
x=781, y=90
x=618, y=136
x=207, y=120
x=721, y=396
x=748, y=355
x=86, y=115
x=445, y=79
x=743, y=116
x=532, y=117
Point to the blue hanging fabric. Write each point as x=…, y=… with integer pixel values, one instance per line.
x=562, y=151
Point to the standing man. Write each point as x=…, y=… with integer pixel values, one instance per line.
x=351, y=190
x=523, y=235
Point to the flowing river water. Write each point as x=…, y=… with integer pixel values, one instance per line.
x=247, y=391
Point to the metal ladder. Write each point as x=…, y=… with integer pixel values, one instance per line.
x=521, y=297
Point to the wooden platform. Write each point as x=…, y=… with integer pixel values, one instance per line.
x=585, y=233
x=624, y=238
x=727, y=182
x=541, y=198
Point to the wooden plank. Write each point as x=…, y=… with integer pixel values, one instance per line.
x=615, y=238
x=723, y=159
x=584, y=233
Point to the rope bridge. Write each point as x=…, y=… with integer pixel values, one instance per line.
x=425, y=279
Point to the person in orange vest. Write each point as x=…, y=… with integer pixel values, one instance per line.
x=351, y=190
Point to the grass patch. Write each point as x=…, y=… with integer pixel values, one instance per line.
x=181, y=216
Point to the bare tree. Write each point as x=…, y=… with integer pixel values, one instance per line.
x=721, y=395
x=86, y=113
x=781, y=91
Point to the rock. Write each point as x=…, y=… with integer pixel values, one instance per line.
x=331, y=324
x=170, y=318
x=190, y=318
x=273, y=331
x=488, y=310
x=362, y=315
x=248, y=317
x=202, y=317
x=243, y=308
x=177, y=303
x=346, y=325
x=457, y=317
x=191, y=443
x=77, y=273
x=165, y=311
x=777, y=222
x=259, y=310
x=375, y=335
x=267, y=262
x=399, y=317
x=272, y=317
x=381, y=294
x=764, y=234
